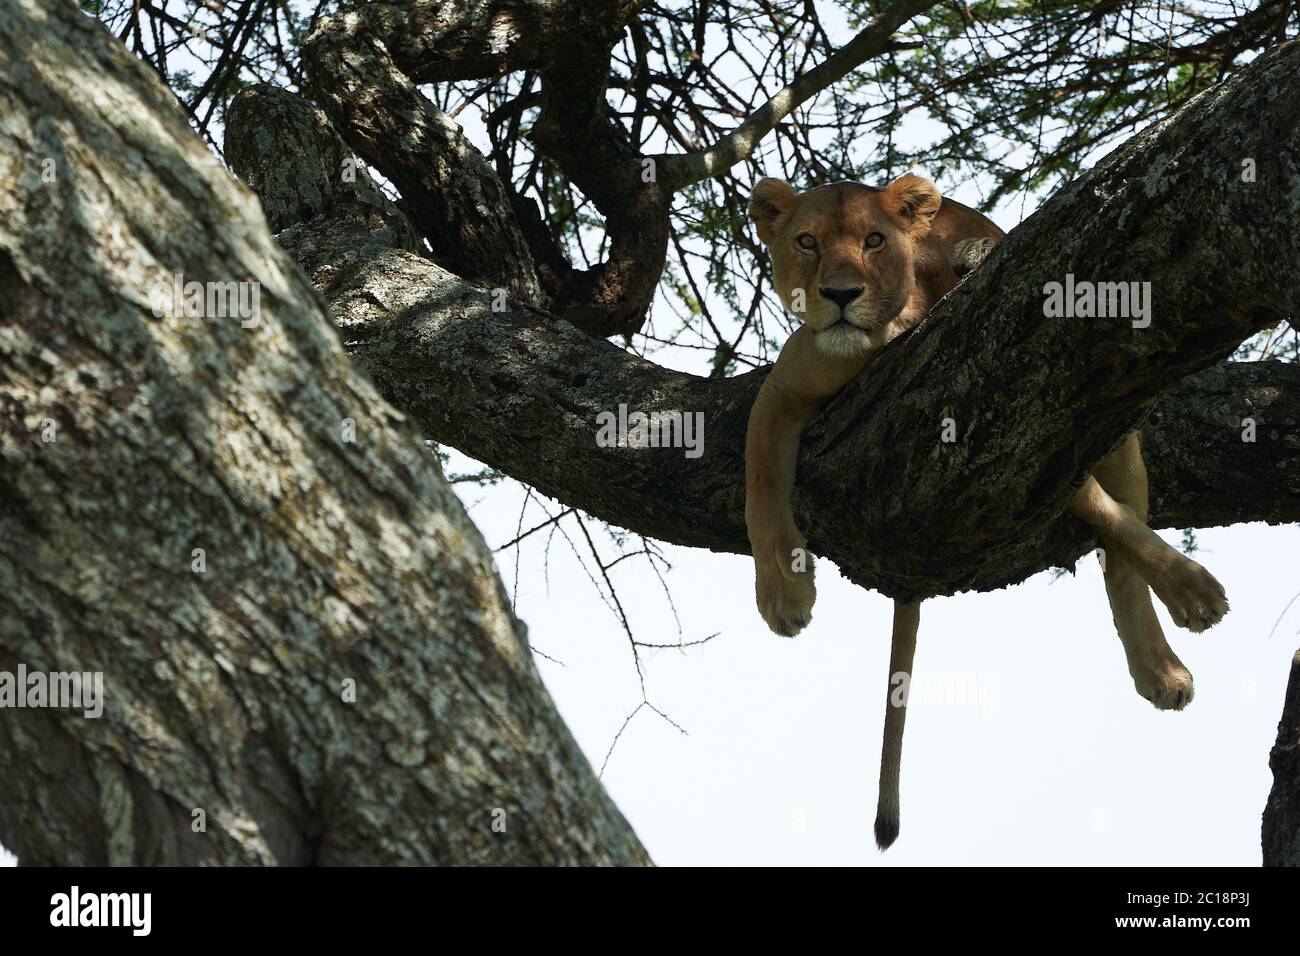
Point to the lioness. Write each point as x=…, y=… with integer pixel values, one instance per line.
x=860, y=265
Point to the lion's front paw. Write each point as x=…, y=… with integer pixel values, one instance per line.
x=786, y=603
x=1166, y=683
x=784, y=585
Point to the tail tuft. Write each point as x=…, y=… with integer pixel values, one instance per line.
x=886, y=830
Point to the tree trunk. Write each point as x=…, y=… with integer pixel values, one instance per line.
x=1281, y=835
x=304, y=644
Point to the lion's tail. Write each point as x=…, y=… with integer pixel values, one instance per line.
x=903, y=647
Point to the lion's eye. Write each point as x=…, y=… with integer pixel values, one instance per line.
x=875, y=241
x=806, y=241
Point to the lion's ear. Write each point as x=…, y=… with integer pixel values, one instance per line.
x=770, y=200
x=913, y=199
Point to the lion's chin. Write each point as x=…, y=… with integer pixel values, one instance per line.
x=844, y=341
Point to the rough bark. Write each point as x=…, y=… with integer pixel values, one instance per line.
x=327, y=560
x=1281, y=831
x=288, y=153
x=437, y=40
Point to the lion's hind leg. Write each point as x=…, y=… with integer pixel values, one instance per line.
x=1112, y=501
x=1158, y=675
x=1194, y=597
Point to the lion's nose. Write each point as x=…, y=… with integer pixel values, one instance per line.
x=841, y=297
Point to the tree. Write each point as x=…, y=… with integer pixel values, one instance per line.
x=478, y=307
x=307, y=654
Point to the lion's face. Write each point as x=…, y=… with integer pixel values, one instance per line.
x=844, y=256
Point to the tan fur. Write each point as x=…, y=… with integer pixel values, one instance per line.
x=866, y=265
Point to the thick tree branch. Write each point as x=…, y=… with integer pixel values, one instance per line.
x=1036, y=401
x=523, y=393
x=874, y=39
x=290, y=155
x=440, y=40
